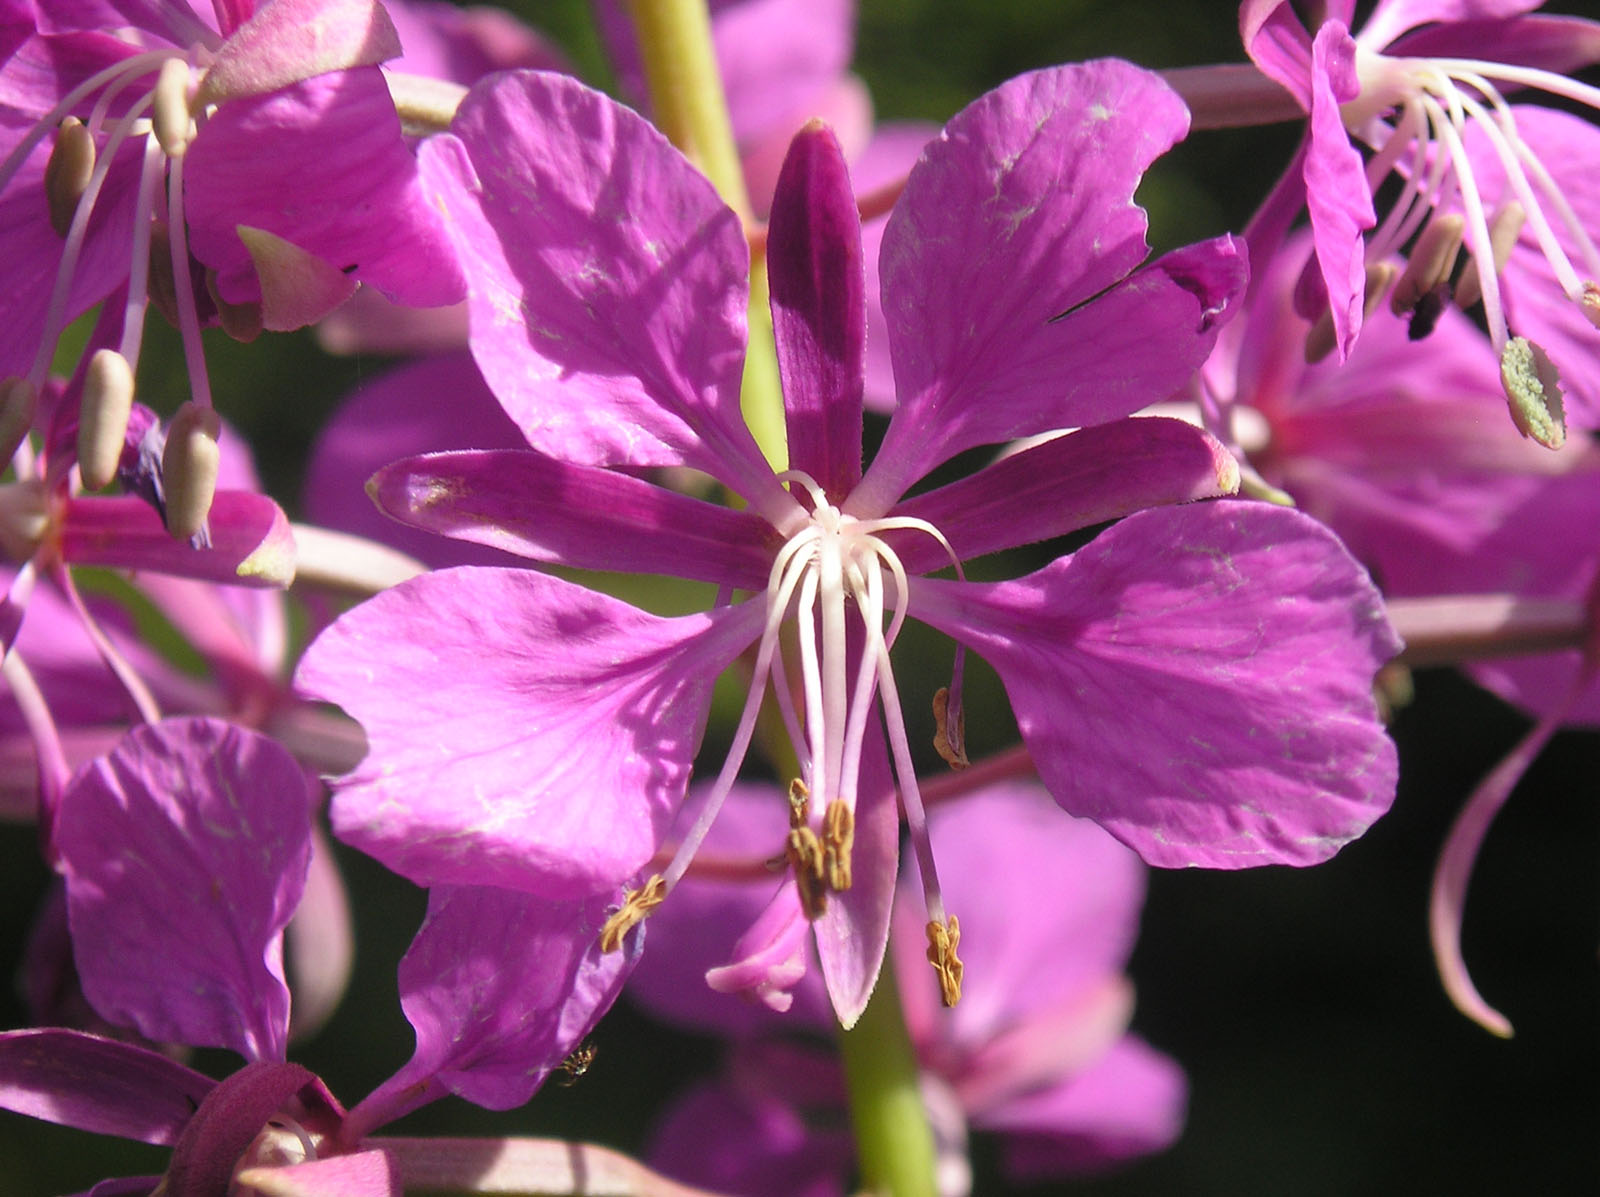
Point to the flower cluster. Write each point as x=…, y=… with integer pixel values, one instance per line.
x=745, y=438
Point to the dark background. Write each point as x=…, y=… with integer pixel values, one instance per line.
x=1322, y=1055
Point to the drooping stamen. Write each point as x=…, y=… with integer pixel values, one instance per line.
x=1430, y=264
x=635, y=906
x=803, y=852
x=170, y=117
x=19, y=402
x=838, y=836
x=943, y=938
x=1504, y=230
x=144, y=222
x=949, y=735
x=188, y=321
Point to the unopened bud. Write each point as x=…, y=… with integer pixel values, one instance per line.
x=169, y=114
x=1504, y=230
x=67, y=174
x=1431, y=263
x=19, y=402
x=189, y=468
x=103, y=417
x=1533, y=389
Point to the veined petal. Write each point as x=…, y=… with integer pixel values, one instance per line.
x=1198, y=681
x=526, y=503
x=251, y=544
x=524, y=732
x=1337, y=193
x=288, y=41
x=500, y=987
x=99, y=1085
x=819, y=314
x=1020, y=212
x=1546, y=42
x=608, y=280
x=1391, y=18
x=322, y=165
x=185, y=851
x=1069, y=482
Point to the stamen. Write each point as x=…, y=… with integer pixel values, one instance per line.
x=942, y=941
x=67, y=174
x=173, y=124
x=190, y=465
x=635, y=906
x=103, y=417
x=1534, y=390
x=1425, y=315
x=1320, y=339
x=949, y=739
x=1504, y=230
x=838, y=837
x=805, y=854
x=19, y=403
x=1432, y=261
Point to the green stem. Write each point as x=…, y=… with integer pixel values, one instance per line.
x=893, y=1138
x=692, y=110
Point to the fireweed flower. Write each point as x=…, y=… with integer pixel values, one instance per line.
x=166, y=133
x=1037, y=1052
x=184, y=852
x=530, y=733
x=1415, y=84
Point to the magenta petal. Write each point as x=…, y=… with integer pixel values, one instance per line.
x=526, y=503
x=819, y=314
x=1067, y=483
x=1278, y=43
x=1131, y=1103
x=500, y=987
x=608, y=280
x=1563, y=45
x=251, y=544
x=322, y=165
x=770, y=958
x=185, y=851
x=99, y=1085
x=1020, y=211
x=288, y=41
x=1239, y=640
x=524, y=732
x=364, y=1174
x=1391, y=18
x=1337, y=194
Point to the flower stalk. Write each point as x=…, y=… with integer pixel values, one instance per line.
x=691, y=108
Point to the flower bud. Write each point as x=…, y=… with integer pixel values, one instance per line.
x=67, y=174
x=189, y=468
x=103, y=417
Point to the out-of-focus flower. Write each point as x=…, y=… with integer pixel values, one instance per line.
x=608, y=312
x=1417, y=83
x=1037, y=1051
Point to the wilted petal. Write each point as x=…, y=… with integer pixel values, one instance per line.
x=322, y=165
x=1238, y=641
x=524, y=731
x=99, y=1085
x=608, y=280
x=185, y=851
x=288, y=41
x=500, y=987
